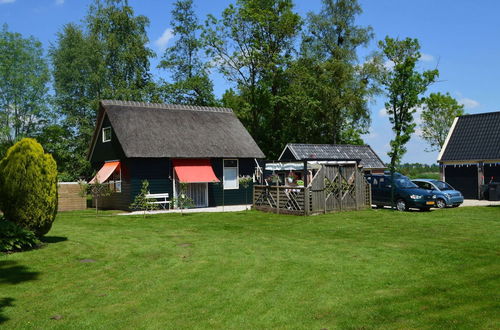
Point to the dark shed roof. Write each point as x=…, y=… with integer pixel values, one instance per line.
x=148, y=130
x=369, y=159
x=473, y=137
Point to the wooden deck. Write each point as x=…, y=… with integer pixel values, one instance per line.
x=334, y=188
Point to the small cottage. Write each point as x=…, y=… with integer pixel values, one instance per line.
x=367, y=158
x=470, y=156
x=205, y=147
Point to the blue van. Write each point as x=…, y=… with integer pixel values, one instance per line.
x=406, y=194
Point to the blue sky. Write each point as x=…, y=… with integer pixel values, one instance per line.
x=460, y=37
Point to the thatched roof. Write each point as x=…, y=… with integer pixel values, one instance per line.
x=148, y=130
x=368, y=158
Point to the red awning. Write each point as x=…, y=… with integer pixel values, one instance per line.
x=105, y=172
x=194, y=170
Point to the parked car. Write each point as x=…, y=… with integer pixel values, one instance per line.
x=406, y=193
x=446, y=195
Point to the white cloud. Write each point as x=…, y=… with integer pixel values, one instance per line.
x=426, y=57
x=383, y=112
x=389, y=64
x=162, y=41
x=6, y=1
x=468, y=103
x=59, y=2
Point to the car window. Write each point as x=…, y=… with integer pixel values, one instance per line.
x=443, y=185
x=424, y=185
x=404, y=182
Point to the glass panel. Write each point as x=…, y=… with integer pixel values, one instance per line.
x=230, y=178
x=106, y=134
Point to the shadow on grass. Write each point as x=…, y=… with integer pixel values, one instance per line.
x=53, y=239
x=12, y=273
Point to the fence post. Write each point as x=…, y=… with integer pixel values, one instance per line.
x=306, y=201
x=278, y=199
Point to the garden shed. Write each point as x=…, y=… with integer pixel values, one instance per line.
x=206, y=148
x=470, y=156
x=368, y=159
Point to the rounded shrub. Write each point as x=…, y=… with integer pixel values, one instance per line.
x=28, y=186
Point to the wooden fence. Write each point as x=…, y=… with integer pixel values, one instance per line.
x=333, y=188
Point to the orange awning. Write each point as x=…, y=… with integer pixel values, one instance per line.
x=105, y=172
x=194, y=170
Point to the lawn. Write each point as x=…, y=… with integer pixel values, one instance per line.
x=351, y=270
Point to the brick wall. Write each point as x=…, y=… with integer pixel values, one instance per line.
x=69, y=197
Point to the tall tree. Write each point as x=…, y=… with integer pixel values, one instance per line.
x=251, y=44
x=191, y=83
x=24, y=76
x=106, y=58
x=439, y=111
x=330, y=88
x=404, y=86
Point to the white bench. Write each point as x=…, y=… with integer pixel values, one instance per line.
x=161, y=199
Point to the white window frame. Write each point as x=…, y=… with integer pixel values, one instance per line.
x=237, y=174
x=104, y=135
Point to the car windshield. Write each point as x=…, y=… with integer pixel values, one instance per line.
x=443, y=185
x=405, y=183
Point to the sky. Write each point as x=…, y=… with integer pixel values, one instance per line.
x=458, y=37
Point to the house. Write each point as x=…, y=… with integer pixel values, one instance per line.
x=470, y=155
x=368, y=159
x=206, y=148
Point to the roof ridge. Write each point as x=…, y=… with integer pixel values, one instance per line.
x=165, y=106
x=329, y=144
x=479, y=114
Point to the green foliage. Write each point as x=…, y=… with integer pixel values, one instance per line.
x=106, y=58
x=28, y=186
x=15, y=238
x=191, y=83
x=419, y=171
x=24, y=75
x=439, y=111
x=142, y=203
x=251, y=45
x=404, y=86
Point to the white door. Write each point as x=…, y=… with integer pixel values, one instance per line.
x=198, y=192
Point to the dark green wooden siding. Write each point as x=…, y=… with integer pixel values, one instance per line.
x=217, y=196
x=104, y=151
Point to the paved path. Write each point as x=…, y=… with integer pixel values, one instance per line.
x=475, y=202
x=229, y=208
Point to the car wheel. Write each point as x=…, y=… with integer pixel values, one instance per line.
x=440, y=203
x=401, y=205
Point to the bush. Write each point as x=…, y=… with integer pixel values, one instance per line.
x=28, y=187
x=15, y=238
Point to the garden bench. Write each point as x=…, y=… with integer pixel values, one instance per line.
x=161, y=199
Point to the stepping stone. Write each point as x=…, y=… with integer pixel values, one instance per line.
x=87, y=260
x=56, y=317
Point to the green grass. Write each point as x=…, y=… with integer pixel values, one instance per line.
x=247, y=270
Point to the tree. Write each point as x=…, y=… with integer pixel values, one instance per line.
x=251, y=45
x=106, y=58
x=404, y=86
x=96, y=189
x=141, y=202
x=191, y=83
x=28, y=186
x=24, y=75
x=439, y=111
x=330, y=89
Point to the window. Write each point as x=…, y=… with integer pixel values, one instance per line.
x=230, y=174
x=115, y=181
x=106, y=134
